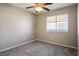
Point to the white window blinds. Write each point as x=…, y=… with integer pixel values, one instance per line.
x=57, y=23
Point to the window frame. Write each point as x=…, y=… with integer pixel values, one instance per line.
x=56, y=21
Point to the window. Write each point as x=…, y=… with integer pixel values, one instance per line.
x=57, y=23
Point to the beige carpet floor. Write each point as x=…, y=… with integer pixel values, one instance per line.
x=38, y=48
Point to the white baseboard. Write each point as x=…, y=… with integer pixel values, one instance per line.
x=37, y=40
x=16, y=45
x=57, y=44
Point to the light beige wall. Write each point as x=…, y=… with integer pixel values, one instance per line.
x=65, y=38
x=16, y=26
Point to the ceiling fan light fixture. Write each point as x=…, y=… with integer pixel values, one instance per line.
x=39, y=9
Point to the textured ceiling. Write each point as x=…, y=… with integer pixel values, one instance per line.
x=51, y=7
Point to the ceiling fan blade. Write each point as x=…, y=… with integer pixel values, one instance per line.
x=48, y=3
x=29, y=7
x=46, y=8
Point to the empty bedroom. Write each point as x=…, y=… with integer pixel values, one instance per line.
x=38, y=29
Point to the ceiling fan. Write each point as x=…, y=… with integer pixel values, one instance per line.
x=40, y=7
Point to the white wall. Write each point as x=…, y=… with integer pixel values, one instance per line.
x=16, y=26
